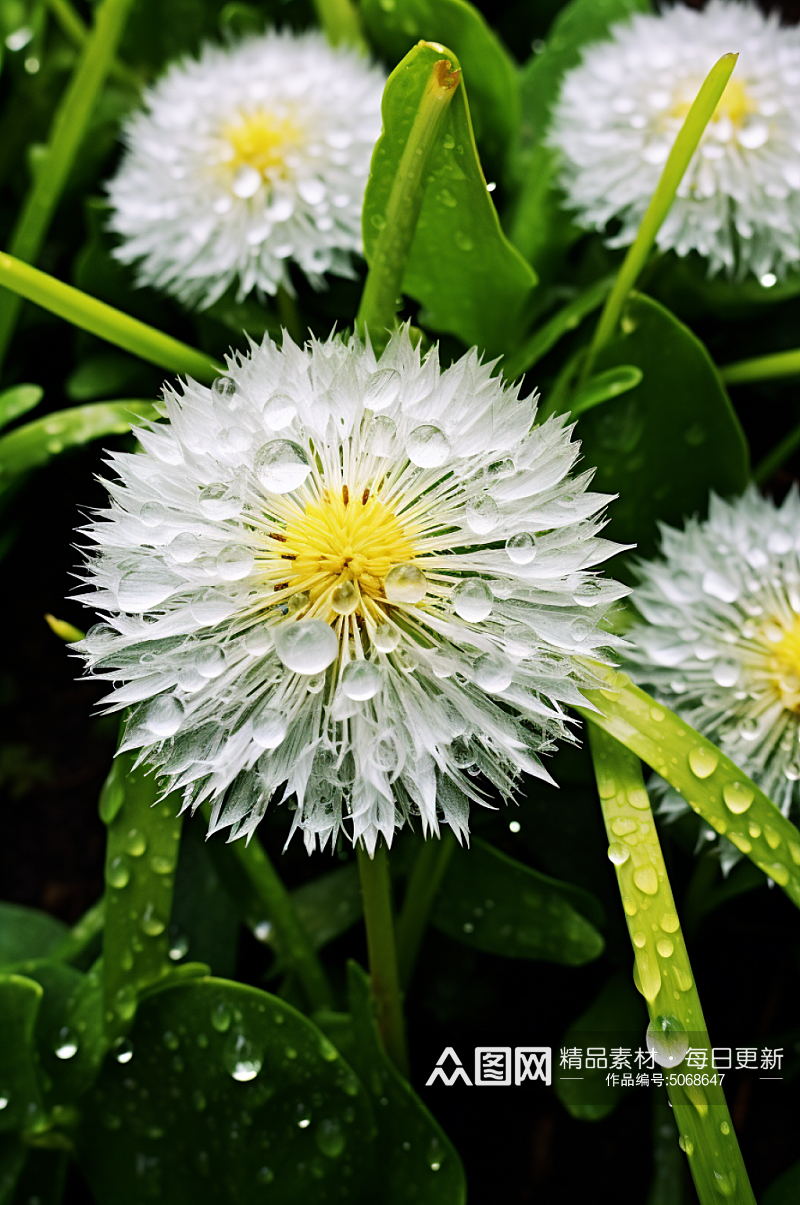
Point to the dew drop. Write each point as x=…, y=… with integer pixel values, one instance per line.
x=281, y=466
x=381, y=436
x=241, y=1058
x=646, y=879
x=163, y=715
x=184, y=548
x=665, y=947
x=737, y=796
x=361, y=680
x=492, y=672
x=670, y=922
x=386, y=637
x=405, y=583
x=345, y=598
x=521, y=548
x=270, y=728
x=482, y=514
x=150, y=923
x=209, y=661
x=472, y=600
x=703, y=762
x=618, y=853
x=308, y=646
x=234, y=562
x=141, y=589
x=221, y=1016
x=667, y=1041
x=263, y=931
x=382, y=389
x=135, y=843
x=216, y=501
x=279, y=411
x=117, y=873
x=330, y=1138
x=246, y=182
x=67, y=1043
x=122, y=1050
x=428, y=446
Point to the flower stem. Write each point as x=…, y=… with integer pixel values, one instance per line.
x=256, y=887
x=66, y=135
x=104, y=321
x=664, y=975
x=73, y=26
x=141, y=858
x=384, y=282
x=340, y=20
x=423, y=884
x=762, y=368
x=730, y=802
x=684, y=147
x=384, y=978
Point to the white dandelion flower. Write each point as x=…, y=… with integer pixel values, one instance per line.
x=243, y=159
x=720, y=641
x=620, y=110
x=358, y=583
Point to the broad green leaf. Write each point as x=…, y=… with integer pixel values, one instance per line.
x=58, y=1039
x=665, y=443
x=27, y=933
x=470, y=280
x=36, y=443
x=229, y=1094
x=17, y=400
x=615, y=1018
x=330, y=905
x=493, y=903
x=417, y=1162
x=602, y=386
x=19, y=1065
x=562, y=323
x=489, y=70
x=141, y=859
x=541, y=229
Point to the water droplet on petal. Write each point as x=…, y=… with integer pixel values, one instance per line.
x=269, y=728
x=482, y=514
x=235, y=562
x=224, y=387
x=492, y=672
x=217, y=501
x=209, y=661
x=521, y=548
x=472, y=600
x=246, y=182
x=405, y=583
x=428, y=446
x=381, y=436
x=281, y=466
x=382, y=389
x=386, y=637
x=143, y=588
x=279, y=411
x=345, y=598
x=361, y=680
x=163, y=715
x=306, y=647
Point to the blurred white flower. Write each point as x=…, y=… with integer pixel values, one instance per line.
x=720, y=641
x=246, y=158
x=619, y=112
x=359, y=583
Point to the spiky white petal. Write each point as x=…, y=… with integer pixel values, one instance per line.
x=719, y=640
x=356, y=583
x=244, y=159
x=620, y=110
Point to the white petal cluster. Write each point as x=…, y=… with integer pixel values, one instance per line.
x=357, y=584
x=720, y=641
x=620, y=110
x=243, y=159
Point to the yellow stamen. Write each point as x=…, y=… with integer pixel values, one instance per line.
x=345, y=539
x=785, y=666
x=260, y=140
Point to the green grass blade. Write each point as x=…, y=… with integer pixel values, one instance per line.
x=762, y=368
x=709, y=781
x=664, y=974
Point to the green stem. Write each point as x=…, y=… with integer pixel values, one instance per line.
x=66, y=135
x=340, y=20
x=73, y=26
x=423, y=885
x=104, y=321
x=376, y=890
x=777, y=457
x=141, y=858
x=258, y=891
x=684, y=147
x=664, y=974
x=562, y=323
x=384, y=282
x=762, y=368
x=730, y=802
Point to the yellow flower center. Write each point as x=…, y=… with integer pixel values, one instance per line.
x=342, y=549
x=259, y=140
x=785, y=666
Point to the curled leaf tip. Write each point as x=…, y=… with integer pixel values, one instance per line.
x=446, y=77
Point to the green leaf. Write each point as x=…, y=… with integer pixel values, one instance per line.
x=489, y=70
x=493, y=903
x=615, y=1018
x=65, y=1074
x=107, y=374
x=229, y=1094
x=205, y=922
x=541, y=228
x=17, y=400
x=562, y=323
x=19, y=1064
x=27, y=933
x=330, y=905
x=416, y=1160
x=471, y=281
x=36, y=443
x=668, y=441
x=13, y=1153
